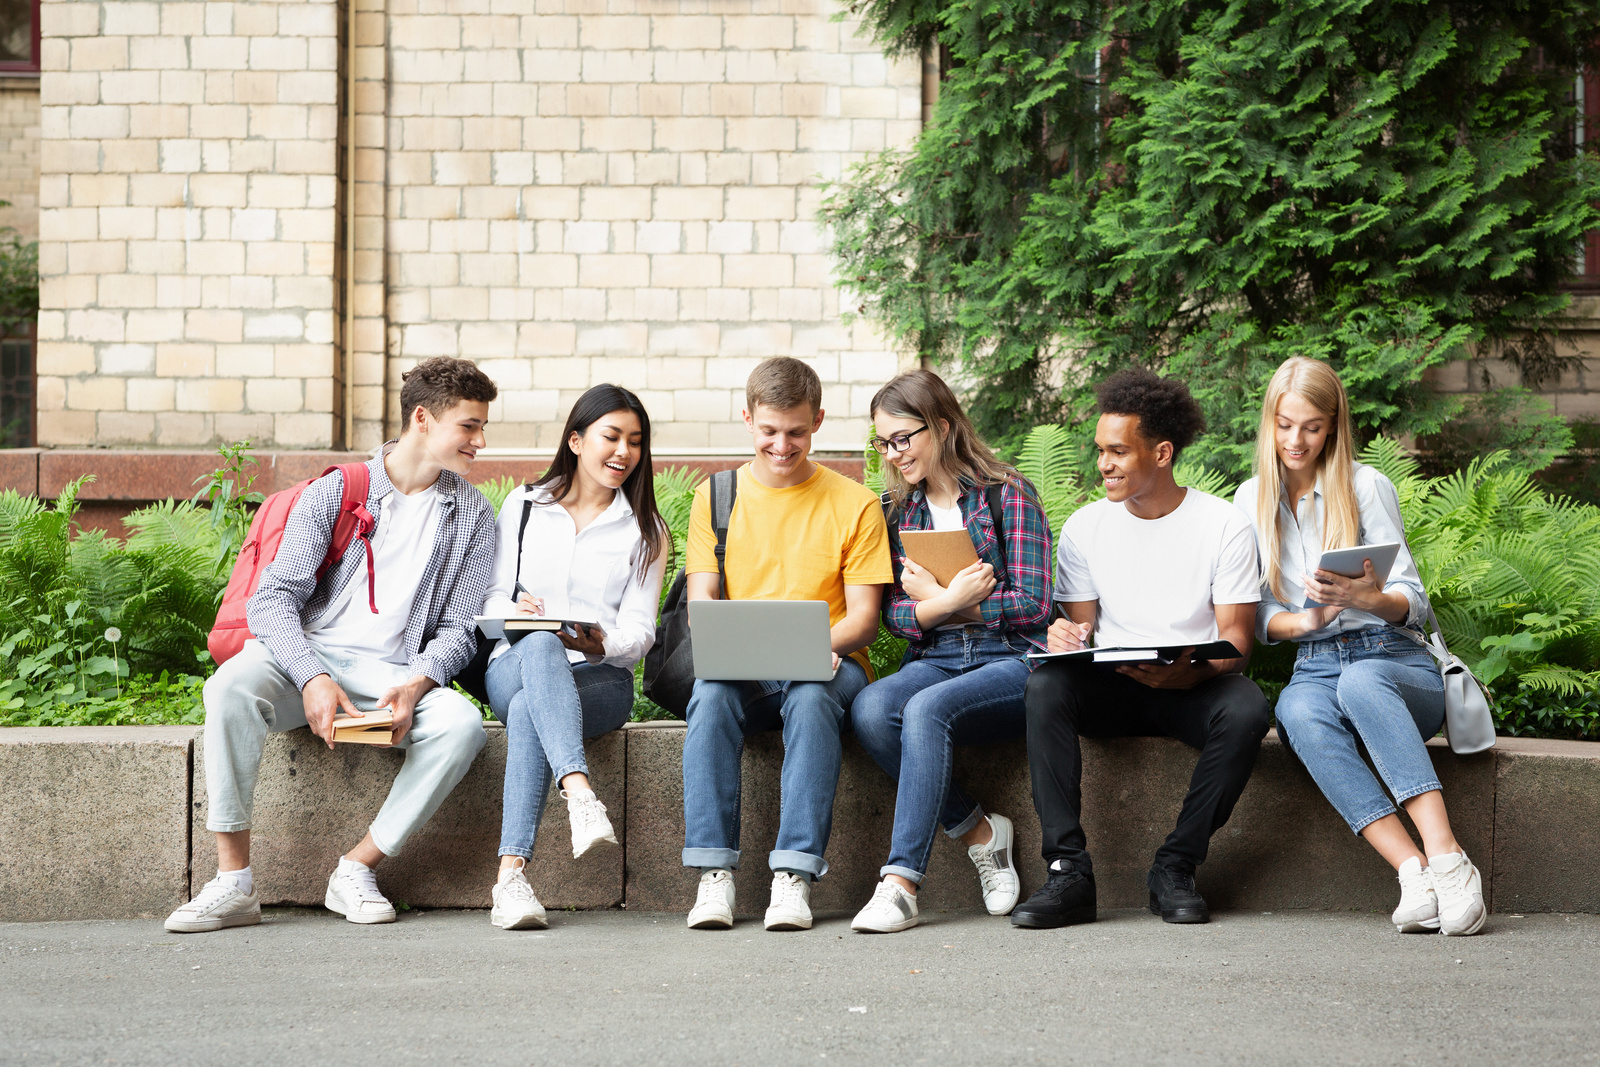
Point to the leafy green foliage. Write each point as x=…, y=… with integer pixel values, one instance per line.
x=1514, y=575
x=231, y=503
x=19, y=281
x=497, y=489
x=1209, y=187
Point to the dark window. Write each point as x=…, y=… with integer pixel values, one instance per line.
x=19, y=36
x=18, y=377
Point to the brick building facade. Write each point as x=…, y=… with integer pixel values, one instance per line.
x=565, y=193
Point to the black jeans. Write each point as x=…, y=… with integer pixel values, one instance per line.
x=1225, y=718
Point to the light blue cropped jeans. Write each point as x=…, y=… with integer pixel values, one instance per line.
x=1376, y=687
x=550, y=707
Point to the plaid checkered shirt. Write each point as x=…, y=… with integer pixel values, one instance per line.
x=440, y=634
x=1020, y=602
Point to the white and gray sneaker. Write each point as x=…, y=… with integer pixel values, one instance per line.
x=353, y=893
x=791, y=902
x=1460, y=890
x=590, y=825
x=713, y=904
x=515, y=906
x=996, y=873
x=219, y=904
x=890, y=910
x=1418, y=912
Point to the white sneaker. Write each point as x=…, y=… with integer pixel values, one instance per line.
x=1001, y=886
x=1460, y=890
x=1418, y=912
x=515, y=906
x=590, y=826
x=218, y=904
x=713, y=904
x=890, y=910
x=791, y=903
x=354, y=894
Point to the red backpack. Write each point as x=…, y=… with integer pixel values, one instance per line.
x=261, y=547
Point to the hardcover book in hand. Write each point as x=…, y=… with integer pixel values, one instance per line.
x=515, y=627
x=373, y=728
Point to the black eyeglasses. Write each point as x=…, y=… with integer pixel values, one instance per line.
x=899, y=442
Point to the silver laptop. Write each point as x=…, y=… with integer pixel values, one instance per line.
x=761, y=640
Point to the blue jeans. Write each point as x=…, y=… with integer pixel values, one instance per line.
x=720, y=715
x=549, y=707
x=967, y=686
x=1375, y=686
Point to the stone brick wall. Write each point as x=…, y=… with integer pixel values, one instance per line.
x=187, y=222
x=627, y=192
x=19, y=154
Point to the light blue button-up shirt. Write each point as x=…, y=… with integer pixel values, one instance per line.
x=1301, y=550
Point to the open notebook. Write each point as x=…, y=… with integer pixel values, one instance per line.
x=1151, y=654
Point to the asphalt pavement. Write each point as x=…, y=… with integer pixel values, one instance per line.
x=963, y=988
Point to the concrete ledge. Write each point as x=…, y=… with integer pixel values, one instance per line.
x=108, y=822
x=93, y=821
x=1547, y=825
x=312, y=804
x=1285, y=846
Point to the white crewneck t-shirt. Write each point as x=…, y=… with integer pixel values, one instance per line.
x=1158, y=581
x=401, y=547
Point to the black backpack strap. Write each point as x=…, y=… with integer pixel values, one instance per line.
x=724, y=491
x=522, y=528
x=996, y=514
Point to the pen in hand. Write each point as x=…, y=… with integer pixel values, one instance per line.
x=522, y=590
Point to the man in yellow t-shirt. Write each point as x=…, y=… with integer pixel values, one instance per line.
x=798, y=532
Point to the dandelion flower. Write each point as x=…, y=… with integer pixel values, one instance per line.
x=113, y=635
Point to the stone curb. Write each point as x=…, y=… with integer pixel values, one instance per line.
x=108, y=822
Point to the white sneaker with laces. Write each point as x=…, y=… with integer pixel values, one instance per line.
x=515, y=906
x=590, y=825
x=791, y=903
x=1460, y=890
x=219, y=904
x=890, y=910
x=996, y=874
x=1418, y=912
x=713, y=904
x=353, y=893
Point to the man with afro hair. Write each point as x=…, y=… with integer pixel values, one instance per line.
x=1153, y=565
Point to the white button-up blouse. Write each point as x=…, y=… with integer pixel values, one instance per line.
x=1301, y=530
x=592, y=575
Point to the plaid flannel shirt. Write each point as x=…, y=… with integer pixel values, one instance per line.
x=1020, y=602
x=440, y=632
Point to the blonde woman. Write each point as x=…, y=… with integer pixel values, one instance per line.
x=1357, y=677
x=965, y=667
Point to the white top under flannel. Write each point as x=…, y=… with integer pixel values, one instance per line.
x=1301, y=549
x=401, y=545
x=591, y=575
x=440, y=635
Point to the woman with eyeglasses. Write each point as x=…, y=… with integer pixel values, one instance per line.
x=965, y=669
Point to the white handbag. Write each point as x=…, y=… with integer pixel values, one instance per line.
x=1468, y=724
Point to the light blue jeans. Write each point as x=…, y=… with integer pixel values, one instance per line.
x=967, y=686
x=550, y=706
x=1375, y=686
x=720, y=715
x=250, y=696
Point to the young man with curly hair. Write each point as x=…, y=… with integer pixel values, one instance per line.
x=1153, y=564
x=350, y=638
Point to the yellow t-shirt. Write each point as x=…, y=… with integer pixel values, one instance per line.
x=806, y=542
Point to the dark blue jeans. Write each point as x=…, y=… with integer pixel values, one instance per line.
x=968, y=687
x=721, y=714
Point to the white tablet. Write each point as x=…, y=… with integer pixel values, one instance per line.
x=1349, y=562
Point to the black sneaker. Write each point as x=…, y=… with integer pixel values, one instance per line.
x=1067, y=897
x=1174, y=898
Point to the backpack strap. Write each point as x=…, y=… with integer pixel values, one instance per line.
x=724, y=491
x=996, y=515
x=354, y=520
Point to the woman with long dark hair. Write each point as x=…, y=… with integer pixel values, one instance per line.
x=584, y=542
x=965, y=667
